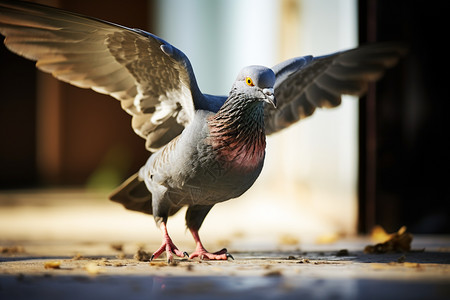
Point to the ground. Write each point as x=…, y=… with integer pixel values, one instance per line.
x=50, y=259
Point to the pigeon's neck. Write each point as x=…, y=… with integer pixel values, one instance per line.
x=237, y=132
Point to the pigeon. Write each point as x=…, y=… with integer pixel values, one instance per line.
x=204, y=149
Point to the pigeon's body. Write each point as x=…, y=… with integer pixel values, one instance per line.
x=196, y=168
x=217, y=157
x=206, y=148
x=193, y=169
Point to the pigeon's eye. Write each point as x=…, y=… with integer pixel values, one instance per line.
x=249, y=81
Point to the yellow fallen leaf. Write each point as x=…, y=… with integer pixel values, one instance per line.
x=379, y=235
x=52, y=265
x=398, y=242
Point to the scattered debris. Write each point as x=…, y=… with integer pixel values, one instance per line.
x=390, y=265
x=397, y=242
x=12, y=250
x=78, y=256
x=117, y=246
x=190, y=267
x=290, y=257
x=401, y=259
x=304, y=261
x=121, y=256
x=142, y=255
x=172, y=263
x=104, y=262
x=53, y=265
x=274, y=273
x=158, y=264
x=343, y=252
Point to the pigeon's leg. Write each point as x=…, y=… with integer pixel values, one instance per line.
x=194, y=219
x=167, y=245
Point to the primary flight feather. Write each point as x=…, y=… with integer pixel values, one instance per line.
x=205, y=149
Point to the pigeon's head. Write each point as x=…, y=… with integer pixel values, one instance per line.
x=256, y=82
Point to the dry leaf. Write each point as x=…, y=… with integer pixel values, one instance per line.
x=12, y=250
x=142, y=255
x=52, y=265
x=379, y=235
x=117, y=247
x=397, y=242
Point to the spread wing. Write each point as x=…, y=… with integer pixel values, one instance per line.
x=153, y=80
x=307, y=82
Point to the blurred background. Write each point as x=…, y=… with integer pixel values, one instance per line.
x=381, y=160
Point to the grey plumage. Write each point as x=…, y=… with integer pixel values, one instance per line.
x=153, y=80
x=305, y=83
x=206, y=149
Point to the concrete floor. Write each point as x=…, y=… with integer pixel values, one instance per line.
x=45, y=256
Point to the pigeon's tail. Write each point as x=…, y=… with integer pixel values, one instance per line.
x=134, y=195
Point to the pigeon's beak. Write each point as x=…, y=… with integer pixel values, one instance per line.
x=270, y=97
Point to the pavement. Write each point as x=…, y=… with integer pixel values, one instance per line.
x=47, y=255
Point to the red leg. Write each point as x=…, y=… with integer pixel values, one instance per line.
x=202, y=253
x=168, y=246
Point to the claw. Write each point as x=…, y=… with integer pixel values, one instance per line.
x=186, y=254
x=230, y=256
x=152, y=257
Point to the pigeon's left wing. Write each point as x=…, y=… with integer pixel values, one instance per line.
x=153, y=80
x=307, y=82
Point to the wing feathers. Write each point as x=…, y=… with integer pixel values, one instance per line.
x=340, y=87
x=304, y=83
x=130, y=65
x=319, y=96
x=367, y=72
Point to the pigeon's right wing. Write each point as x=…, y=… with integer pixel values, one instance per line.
x=153, y=80
x=307, y=82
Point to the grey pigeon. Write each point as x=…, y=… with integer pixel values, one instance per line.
x=205, y=149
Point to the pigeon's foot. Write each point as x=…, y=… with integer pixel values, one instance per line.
x=205, y=255
x=202, y=253
x=168, y=246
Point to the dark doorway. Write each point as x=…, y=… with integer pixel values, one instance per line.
x=403, y=139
